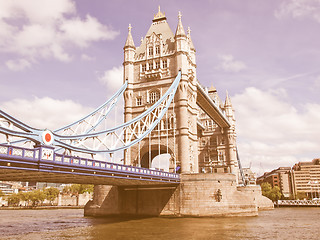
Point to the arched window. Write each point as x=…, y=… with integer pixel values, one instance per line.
x=154, y=96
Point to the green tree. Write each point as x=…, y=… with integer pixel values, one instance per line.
x=37, y=197
x=270, y=192
x=25, y=196
x=301, y=195
x=266, y=188
x=76, y=189
x=13, y=199
x=51, y=193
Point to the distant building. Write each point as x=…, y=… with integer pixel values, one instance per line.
x=306, y=178
x=249, y=176
x=303, y=177
x=9, y=187
x=280, y=177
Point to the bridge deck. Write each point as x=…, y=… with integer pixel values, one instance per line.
x=43, y=165
x=210, y=108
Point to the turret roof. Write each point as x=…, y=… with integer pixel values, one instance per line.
x=228, y=101
x=160, y=26
x=180, y=31
x=190, y=40
x=129, y=41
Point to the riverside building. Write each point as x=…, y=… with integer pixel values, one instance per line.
x=303, y=177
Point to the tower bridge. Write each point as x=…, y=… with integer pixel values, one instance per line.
x=166, y=110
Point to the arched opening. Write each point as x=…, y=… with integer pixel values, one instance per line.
x=152, y=159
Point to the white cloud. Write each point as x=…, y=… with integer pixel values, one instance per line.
x=85, y=57
x=45, y=112
x=112, y=78
x=229, y=64
x=36, y=29
x=299, y=9
x=273, y=133
x=317, y=82
x=18, y=65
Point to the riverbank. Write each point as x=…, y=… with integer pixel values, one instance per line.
x=41, y=207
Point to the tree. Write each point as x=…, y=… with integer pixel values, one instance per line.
x=25, y=196
x=76, y=189
x=37, y=197
x=266, y=188
x=301, y=195
x=51, y=194
x=13, y=199
x=270, y=192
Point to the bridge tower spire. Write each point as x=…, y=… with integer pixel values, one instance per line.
x=187, y=109
x=231, y=150
x=150, y=70
x=128, y=75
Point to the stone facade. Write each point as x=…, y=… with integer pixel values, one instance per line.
x=199, y=195
x=194, y=141
x=205, y=151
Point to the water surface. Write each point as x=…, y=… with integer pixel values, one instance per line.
x=282, y=223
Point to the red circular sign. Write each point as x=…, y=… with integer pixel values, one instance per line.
x=47, y=137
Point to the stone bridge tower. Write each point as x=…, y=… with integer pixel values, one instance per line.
x=150, y=69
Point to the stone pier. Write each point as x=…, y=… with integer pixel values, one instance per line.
x=198, y=195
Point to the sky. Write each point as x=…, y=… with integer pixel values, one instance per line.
x=64, y=58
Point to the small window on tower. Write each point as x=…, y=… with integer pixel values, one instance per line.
x=150, y=51
x=157, y=65
x=158, y=50
x=165, y=63
x=150, y=65
x=154, y=96
x=138, y=101
x=143, y=68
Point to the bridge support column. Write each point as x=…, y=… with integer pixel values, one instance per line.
x=198, y=195
x=104, y=197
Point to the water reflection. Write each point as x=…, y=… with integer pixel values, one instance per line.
x=283, y=223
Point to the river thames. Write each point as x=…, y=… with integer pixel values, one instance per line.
x=281, y=223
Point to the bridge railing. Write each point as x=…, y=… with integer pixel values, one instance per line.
x=46, y=155
x=298, y=202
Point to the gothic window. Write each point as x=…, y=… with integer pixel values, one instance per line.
x=213, y=141
x=143, y=67
x=150, y=65
x=158, y=50
x=150, y=51
x=157, y=65
x=165, y=63
x=154, y=96
x=138, y=101
x=221, y=157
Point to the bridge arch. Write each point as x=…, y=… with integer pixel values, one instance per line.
x=149, y=153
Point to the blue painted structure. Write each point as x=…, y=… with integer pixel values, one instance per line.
x=44, y=165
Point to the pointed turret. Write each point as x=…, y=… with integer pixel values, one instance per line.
x=180, y=31
x=129, y=54
x=229, y=110
x=129, y=41
x=227, y=102
x=190, y=40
